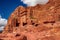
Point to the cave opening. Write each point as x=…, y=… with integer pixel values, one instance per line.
x=24, y=24
x=33, y=23
x=17, y=35
x=17, y=23
x=36, y=24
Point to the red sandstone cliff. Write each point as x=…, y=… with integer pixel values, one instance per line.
x=41, y=22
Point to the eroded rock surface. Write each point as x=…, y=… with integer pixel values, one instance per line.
x=41, y=22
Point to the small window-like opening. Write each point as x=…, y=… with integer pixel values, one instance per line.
x=17, y=24
x=17, y=35
x=46, y=22
x=24, y=24
x=24, y=38
x=49, y=22
x=52, y=22
x=33, y=23
x=36, y=24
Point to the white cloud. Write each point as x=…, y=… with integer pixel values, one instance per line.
x=34, y=2
x=3, y=22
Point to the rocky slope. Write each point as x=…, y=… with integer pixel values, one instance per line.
x=41, y=22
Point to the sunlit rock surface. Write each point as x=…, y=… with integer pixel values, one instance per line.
x=41, y=22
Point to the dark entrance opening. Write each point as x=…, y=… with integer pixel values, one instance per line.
x=24, y=24
x=17, y=23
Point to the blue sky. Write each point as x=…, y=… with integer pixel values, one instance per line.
x=8, y=6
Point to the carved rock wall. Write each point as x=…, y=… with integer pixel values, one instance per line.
x=41, y=22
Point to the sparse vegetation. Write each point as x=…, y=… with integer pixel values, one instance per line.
x=15, y=17
x=31, y=17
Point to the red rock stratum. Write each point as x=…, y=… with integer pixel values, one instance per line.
x=41, y=22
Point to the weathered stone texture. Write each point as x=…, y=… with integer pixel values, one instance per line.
x=41, y=22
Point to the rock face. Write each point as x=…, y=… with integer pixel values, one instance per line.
x=41, y=22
